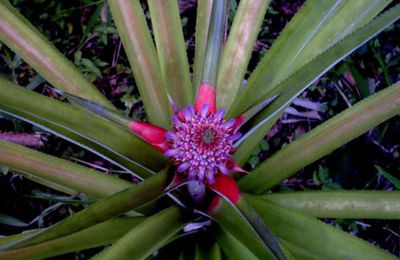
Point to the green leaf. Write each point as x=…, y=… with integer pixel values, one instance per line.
x=303, y=78
x=102, y=210
x=322, y=140
x=391, y=178
x=99, y=235
x=273, y=66
x=213, y=48
x=11, y=221
x=262, y=229
x=45, y=182
x=138, y=45
x=203, y=19
x=232, y=221
x=341, y=204
x=22, y=37
x=112, y=115
x=238, y=49
x=66, y=200
x=81, y=127
x=312, y=239
x=8, y=239
x=316, y=26
x=53, y=169
x=171, y=49
x=361, y=83
x=210, y=252
x=232, y=248
x=91, y=67
x=345, y=19
x=147, y=237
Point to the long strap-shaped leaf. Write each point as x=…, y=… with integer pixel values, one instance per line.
x=299, y=81
x=310, y=238
x=238, y=49
x=214, y=43
x=232, y=248
x=81, y=127
x=45, y=182
x=233, y=221
x=35, y=49
x=295, y=36
x=262, y=229
x=324, y=139
x=212, y=252
x=341, y=204
x=135, y=35
x=347, y=17
x=203, y=18
x=317, y=26
x=101, y=234
x=68, y=174
x=147, y=237
x=102, y=210
x=171, y=50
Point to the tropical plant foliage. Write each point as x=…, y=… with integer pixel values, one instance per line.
x=239, y=214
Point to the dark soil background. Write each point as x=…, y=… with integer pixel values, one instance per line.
x=84, y=32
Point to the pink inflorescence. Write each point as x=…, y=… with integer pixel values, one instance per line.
x=201, y=143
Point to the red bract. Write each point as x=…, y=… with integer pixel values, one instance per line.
x=227, y=186
x=153, y=135
x=206, y=95
x=200, y=142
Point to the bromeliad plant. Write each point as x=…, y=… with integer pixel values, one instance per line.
x=195, y=121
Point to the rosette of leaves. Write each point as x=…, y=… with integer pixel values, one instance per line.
x=193, y=194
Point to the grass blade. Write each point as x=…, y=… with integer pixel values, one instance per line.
x=391, y=178
x=341, y=204
x=171, y=50
x=11, y=221
x=325, y=138
x=238, y=49
x=136, y=39
x=315, y=239
x=22, y=37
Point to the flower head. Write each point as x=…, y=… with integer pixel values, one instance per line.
x=201, y=143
